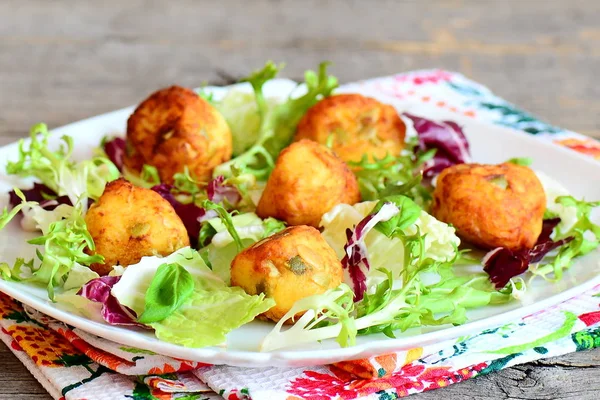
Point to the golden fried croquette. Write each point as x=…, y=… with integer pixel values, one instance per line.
x=355, y=125
x=307, y=181
x=175, y=128
x=491, y=205
x=288, y=266
x=128, y=222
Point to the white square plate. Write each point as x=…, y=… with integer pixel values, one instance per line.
x=489, y=144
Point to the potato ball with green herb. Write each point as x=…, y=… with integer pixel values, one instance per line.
x=288, y=266
x=307, y=181
x=354, y=125
x=129, y=222
x=491, y=205
x=175, y=128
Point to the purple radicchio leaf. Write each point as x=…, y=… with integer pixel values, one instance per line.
x=547, y=228
x=191, y=215
x=42, y=194
x=217, y=192
x=446, y=137
x=502, y=264
x=542, y=248
x=113, y=312
x=356, y=260
x=115, y=151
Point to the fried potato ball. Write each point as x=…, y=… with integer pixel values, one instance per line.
x=288, y=266
x=175, y=128
x=355, y=125
x=491, y=205
x=128, y=222
x=307, y=181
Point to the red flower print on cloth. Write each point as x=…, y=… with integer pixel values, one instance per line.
x=590, y=318
x=235, y=394
x=434, y=378
x=344, y=386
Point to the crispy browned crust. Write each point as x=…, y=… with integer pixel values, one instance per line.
x=307, y=181
x=288, y=266
x=128, y=222
x=174, y=128
x=356, y=125
x=486, y=214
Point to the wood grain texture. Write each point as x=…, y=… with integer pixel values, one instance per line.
x=62, y=61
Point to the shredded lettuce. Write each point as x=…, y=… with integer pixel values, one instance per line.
x=524, y=161
x=440, y=241
x=421, y=285
x=222, y=249
x=56, y=170
x=147, y=178
x=277, y=124
x=226, y=220
x=582, y=237
x=391, y=175
x=386, y=306
x=576, y=228
x=78, y=276
x=241, y=113
x=65, y=240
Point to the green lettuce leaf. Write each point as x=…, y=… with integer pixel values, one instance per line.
x=222, y=249
x=171, y=286
x=147, y=178
x=55, y=169
x=208, y=316
x=78, y=276
x=524, y=161
x=65, y=241
x=386, y=306
x=277, y=124
x=440, y=241
x=241, y=112
x=585, y=236
x=136, y=279
x=391, y=175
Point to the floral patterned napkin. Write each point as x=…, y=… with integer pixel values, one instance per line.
x=72, y=364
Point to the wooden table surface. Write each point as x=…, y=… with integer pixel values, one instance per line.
x=62, y=61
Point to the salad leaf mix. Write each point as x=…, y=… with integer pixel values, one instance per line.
x=402, y=267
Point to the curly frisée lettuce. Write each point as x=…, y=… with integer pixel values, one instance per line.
x=582, y=237
x=440, y=240
x=55, y=169
x=222, y=249
x=422, y=283
x=242, y=115
x=390, y=175
x=385, y=307
x=277, y=123
x=184, y=301
x=65, y=241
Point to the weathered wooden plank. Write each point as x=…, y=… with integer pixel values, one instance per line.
x=59, y=69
